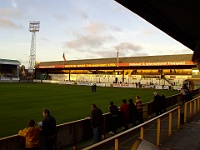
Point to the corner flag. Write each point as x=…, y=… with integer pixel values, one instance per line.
x=64, y=57
x=117, y=56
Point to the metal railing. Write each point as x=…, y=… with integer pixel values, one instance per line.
x=141, y=128
x=194, y=108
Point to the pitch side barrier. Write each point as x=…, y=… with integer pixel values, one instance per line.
x=171, y=120
x=75, y=132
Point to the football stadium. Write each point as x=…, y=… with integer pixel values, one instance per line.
x=71, y=89
x=65, y=88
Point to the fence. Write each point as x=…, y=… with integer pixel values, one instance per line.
x=72, y=133
x=173, y=116
x=141, y=127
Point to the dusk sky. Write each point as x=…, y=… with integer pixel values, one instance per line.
x=82, y=29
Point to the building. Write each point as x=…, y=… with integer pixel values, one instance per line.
x=159, y=70
x=9, y=70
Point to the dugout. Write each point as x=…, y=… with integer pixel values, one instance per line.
x=9, y=70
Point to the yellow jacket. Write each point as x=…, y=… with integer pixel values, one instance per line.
x=138, y=104
x=31, y=135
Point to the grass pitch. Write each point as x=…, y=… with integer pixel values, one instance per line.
x=21, y=101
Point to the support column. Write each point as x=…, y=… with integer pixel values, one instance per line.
x=69, y=73
x=123, y=75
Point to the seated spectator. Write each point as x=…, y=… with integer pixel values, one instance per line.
x=31, y=134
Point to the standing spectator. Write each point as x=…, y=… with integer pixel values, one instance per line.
x=183, y=92
x=31, y=134
x=49, y=129
x=138, y=104
x=170, y=86
x=163, y=103
x=125, y=115
x=94, y=87
x=114, y=117
x=132, y=112
x=157, y=104
x=96, y=122
x=188, y=94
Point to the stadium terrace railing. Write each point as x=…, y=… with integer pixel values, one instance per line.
x=191, y=108
x=194, y=108
x=73, y=133
x=116, y=138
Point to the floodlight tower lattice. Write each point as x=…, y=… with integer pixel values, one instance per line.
x=34, y=27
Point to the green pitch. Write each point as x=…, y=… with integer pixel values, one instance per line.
x=21, y=101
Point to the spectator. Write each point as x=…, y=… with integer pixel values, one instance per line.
x=96, y=123
x=157, y=104
x=183, y=92
x=49, y=129
x=132, y=112
x=139, y=107
x=125, y=115
x=188, y=94
x=163, y=103
x=94, y=87
x=31, y=134
x=114, y=117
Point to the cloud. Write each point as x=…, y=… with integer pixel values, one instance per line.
x=148, y=32
x=83, y=15
x=5, y=23
x=95, y=27
x=88, y=41
x=13, y=3
x=60, y=17
x=184, y=51
x=129, y=46
x=7, y=12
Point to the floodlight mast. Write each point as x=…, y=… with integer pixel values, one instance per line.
x=34, y=27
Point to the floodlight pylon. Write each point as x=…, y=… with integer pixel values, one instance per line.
x=33, y=27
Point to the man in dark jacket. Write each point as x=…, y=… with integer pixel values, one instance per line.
x=96, y=123
x=157, y=104
x=114, y=113
x=49, y=128
x=163, y=103
x=132, y=112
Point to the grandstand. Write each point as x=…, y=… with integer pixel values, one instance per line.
x=9, y=70
x=147, y=70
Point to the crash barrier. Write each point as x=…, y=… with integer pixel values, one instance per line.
x=72, y=133
x=171, y=101
x=191, y=108
x=114, y=141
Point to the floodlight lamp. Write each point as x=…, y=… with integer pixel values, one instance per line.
x=34, y=26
